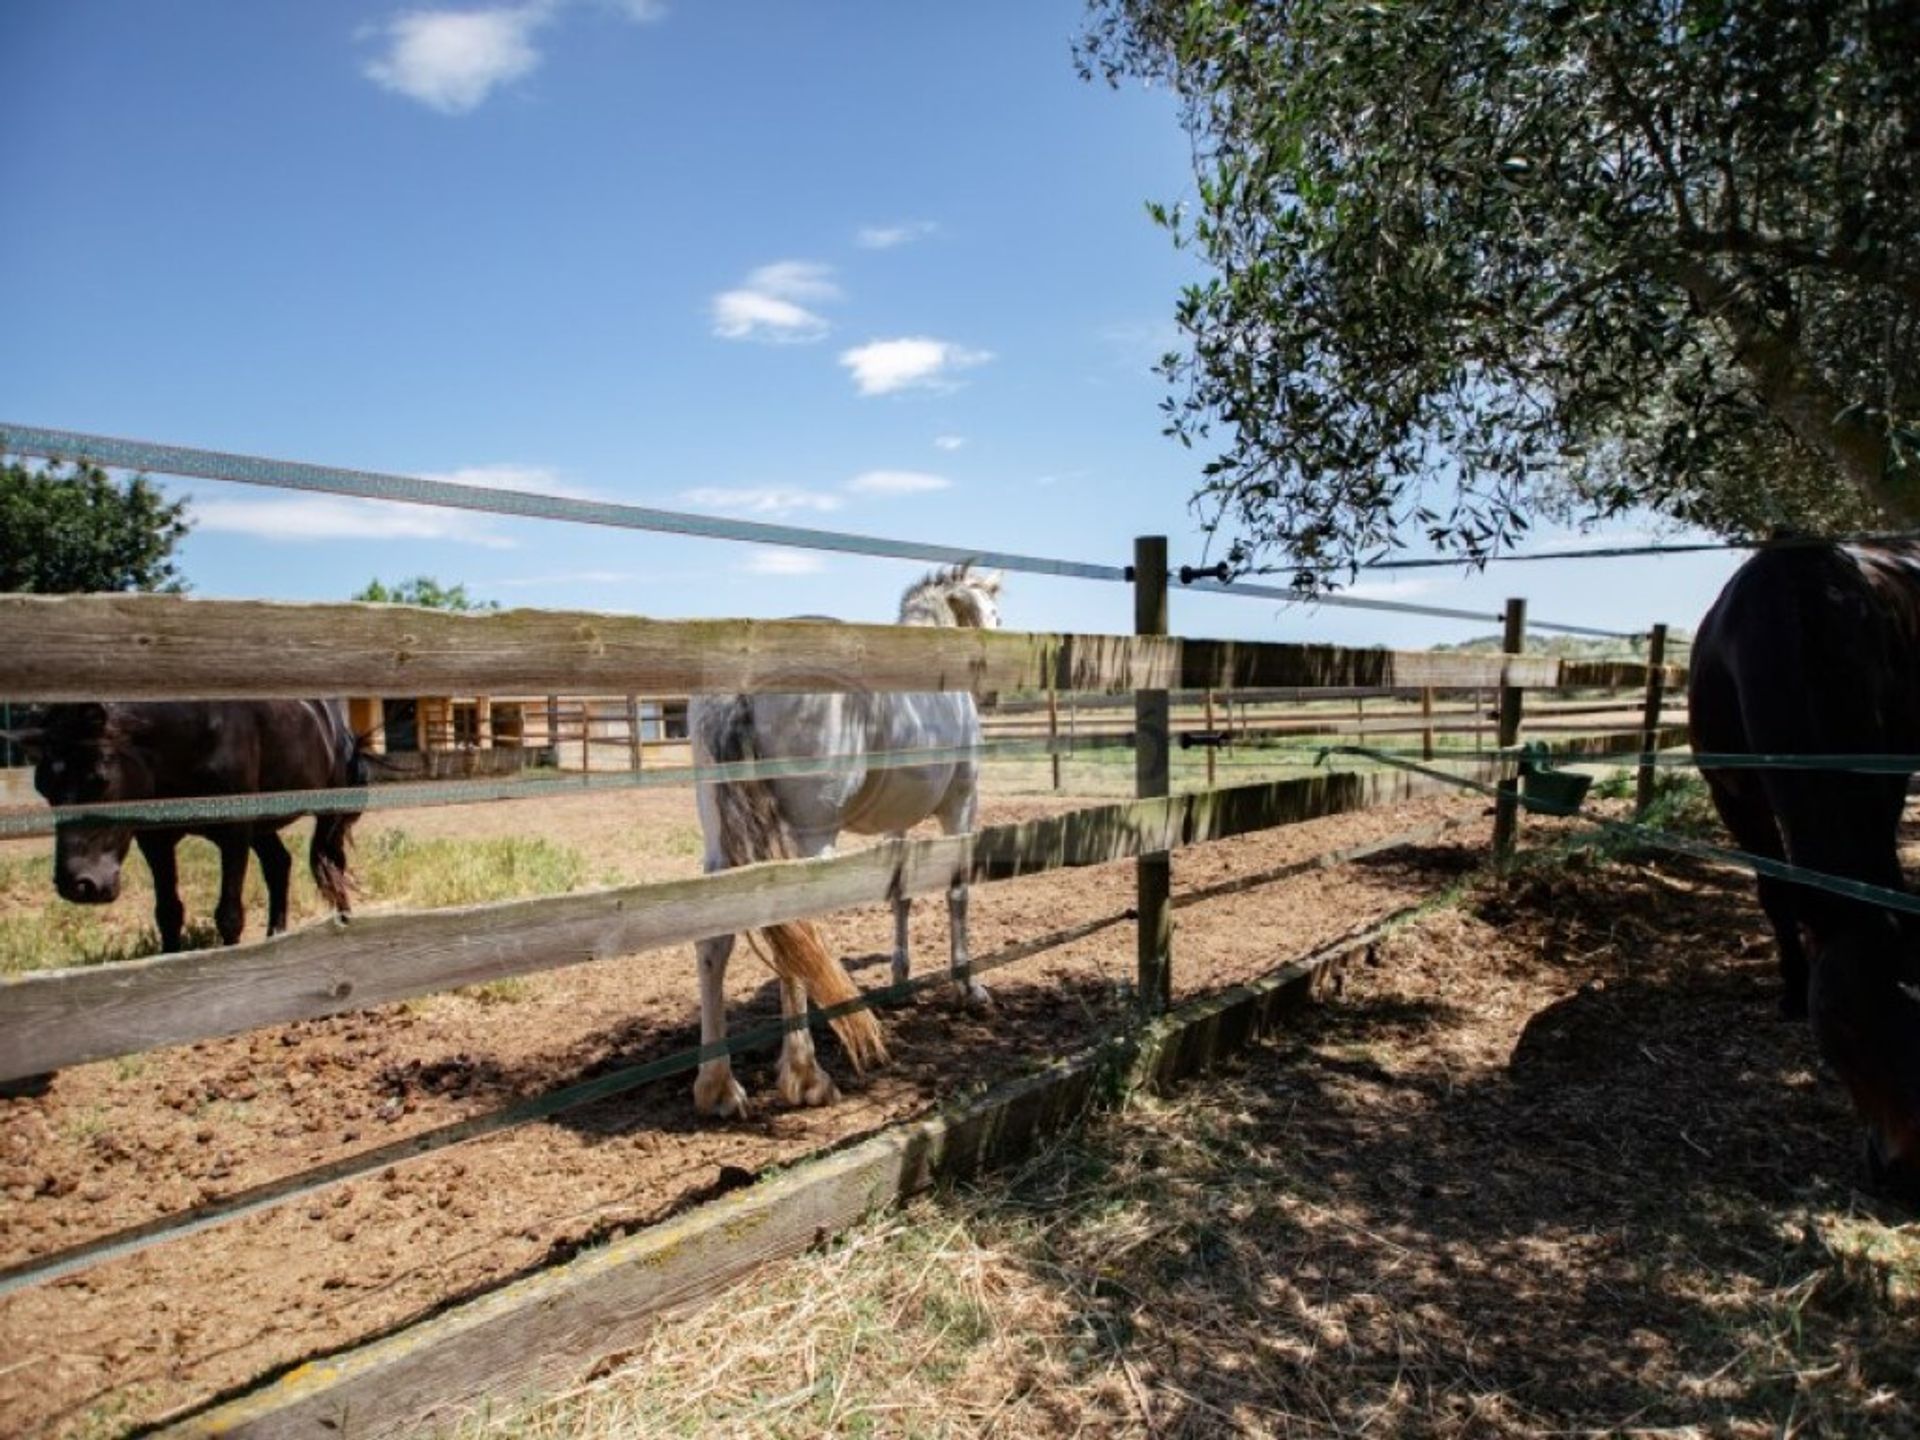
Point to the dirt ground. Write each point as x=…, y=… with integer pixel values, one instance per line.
x=121, y=1142
x=1547, y=1166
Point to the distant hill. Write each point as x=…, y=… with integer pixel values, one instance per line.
x=1575, y=647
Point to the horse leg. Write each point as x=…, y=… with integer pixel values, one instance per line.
x=801, y=1079
x=169, y=915
x=276, y=866
x=230, y=915
x=1742, y=802
x=956, y=816
x=715, y=1091
x=902, y=907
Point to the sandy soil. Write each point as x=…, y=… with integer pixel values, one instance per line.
x=121, y=1142
x=1547, y=1166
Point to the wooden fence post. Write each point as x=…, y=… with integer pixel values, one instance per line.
x=1426, y=723
x=1650, y=716
x=1153, y=872
x=1211, y=748
x=1506, y=813
x=1053, y=733
x=633, y=729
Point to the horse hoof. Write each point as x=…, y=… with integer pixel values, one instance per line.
x=724, y=1101
x=975, y=996
x=807, y=1085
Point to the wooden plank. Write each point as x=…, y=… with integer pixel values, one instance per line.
x=1053, y=732
x=553, y=1329
x=1506, y=814
x=1212, y=750
x=1614, y=674
x=82, y=647
x=53, y=1019
x=1650, y=716
x=158, y=646
x=1153, y=870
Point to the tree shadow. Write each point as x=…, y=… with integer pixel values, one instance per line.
x=1633, y=1216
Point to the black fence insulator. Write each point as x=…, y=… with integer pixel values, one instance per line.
x=1130, y=574
x=1204, y=739
x=1191, y=573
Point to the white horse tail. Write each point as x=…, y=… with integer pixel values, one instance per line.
x=751, y=830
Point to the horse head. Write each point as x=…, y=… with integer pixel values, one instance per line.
x=1864, y=1002
x=957, y=595
x=88, y=754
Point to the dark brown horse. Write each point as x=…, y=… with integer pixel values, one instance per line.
x=90, y=753
x=1815, y=650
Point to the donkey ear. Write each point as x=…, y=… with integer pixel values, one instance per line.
x=965, y=606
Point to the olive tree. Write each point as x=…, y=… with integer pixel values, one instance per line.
x=1473, y=261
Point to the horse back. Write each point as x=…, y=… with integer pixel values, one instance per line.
x=1811, y=649
x=242, y=747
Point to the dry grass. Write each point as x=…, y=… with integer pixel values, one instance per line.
x=1541, y=1172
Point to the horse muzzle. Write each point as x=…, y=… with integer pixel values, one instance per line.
x=88, y=889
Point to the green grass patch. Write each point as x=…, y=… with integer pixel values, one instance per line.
x=395, y=869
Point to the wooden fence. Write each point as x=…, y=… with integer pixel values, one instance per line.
x=154, y=647
x=165, y=646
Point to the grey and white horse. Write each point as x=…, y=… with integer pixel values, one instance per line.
x=802, y=816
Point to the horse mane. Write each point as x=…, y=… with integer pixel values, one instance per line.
x=926, y=601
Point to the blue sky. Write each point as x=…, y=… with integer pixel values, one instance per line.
x=862, y=264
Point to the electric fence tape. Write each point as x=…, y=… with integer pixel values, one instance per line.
x=184, y=460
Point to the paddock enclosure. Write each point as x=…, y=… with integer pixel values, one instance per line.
x=362, y=1173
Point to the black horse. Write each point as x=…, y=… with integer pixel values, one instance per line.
x=88, y=753
x=1815, y=650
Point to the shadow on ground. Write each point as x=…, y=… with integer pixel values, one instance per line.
x=1551, y=1166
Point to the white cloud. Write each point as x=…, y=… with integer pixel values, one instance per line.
x=749, y=315
x=760, y=500
x=887, y=237
x=948, y=442
x=782, y=562
x=451, y=60
x=772, y=305
x=335, y=517
x=885, y=366
x=897, y=482
x=795, y=280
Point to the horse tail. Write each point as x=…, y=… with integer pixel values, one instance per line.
x=751, y=830
x=332, y=831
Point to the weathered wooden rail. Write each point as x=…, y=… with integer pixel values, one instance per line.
x=53, y=1019
x=132, y=647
